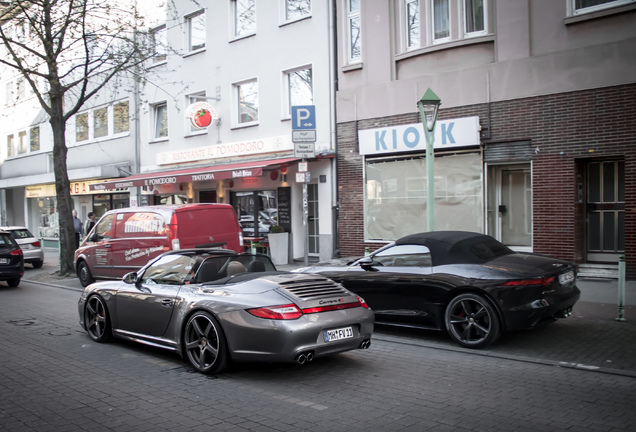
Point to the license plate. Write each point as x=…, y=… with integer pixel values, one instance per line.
x=566, y=278
x=4, y=261
x=338, y=334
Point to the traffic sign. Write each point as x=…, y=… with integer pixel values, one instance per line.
x=303, y=136
x=303, y=117
x=304, y=150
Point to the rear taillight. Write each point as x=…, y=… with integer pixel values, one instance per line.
x=335, y=307
x=529, y=282
x=283, y=312
x=16, y=252
x=36, y=244
x=174, y=233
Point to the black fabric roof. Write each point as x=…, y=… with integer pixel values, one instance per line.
x=457, y=247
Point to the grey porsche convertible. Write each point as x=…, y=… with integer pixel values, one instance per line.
x=213, y=306
x=466, y=283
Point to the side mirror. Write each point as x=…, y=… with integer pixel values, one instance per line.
x=130, y=278
x=367, y=263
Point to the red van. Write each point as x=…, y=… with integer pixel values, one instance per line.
x=123, y=240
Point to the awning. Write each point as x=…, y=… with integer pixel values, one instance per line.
x=215, y=172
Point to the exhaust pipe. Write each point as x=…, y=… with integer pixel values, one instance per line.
x=305, y=357
x=365, y=344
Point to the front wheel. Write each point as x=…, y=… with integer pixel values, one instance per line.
x=204, y=343
x=472, y=321
x=84, y=274
x=97, y=320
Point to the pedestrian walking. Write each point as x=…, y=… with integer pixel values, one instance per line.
x=90, y=223
x=79, y=229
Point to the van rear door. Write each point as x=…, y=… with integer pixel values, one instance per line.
x=208, y=225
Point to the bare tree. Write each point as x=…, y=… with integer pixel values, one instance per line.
x=76, y=47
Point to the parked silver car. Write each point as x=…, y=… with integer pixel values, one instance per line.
x=31, y=246
x=212, y=306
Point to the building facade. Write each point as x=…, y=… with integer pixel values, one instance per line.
x=248, y=62
x=534, y=141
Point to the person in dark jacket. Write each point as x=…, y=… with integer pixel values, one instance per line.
x=79, y=229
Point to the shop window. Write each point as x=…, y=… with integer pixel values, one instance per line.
x=396, y=195
x=297, y=9
x=244, y=13
x=196, y=31
x=353, y=31
x=247, y=97
x=159, y=40
x=299, y=87
x=259, y=206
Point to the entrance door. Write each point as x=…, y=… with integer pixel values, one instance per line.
x=605, y=210
x=510, y=211
x=312, y=219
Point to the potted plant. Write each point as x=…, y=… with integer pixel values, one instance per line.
x=278, y=244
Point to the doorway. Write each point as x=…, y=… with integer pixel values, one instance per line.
x=605, y=211
x=312, y=219
x=510, y=205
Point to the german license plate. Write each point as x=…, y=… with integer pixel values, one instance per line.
x=566, y=278
x=4, y=261
x=338, y=334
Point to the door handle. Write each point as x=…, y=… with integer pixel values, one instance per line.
x=166, y=302
x=107, y=246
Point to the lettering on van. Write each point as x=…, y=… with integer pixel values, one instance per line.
x=133, y=254
x=143, y=223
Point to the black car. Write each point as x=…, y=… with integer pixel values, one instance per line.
x=11, y=260
x=468, y=284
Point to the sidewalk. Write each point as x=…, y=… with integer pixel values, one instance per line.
x=591, y=339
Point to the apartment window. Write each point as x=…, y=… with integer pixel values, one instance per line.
x=20, y=89
x=196, y=31
x=34, y=136
x=441, y=20
x=244, y=17
x=247, y=96
x=586, y=6
x=121, y=121
x=100, y=122
x=161, y=120
x=299, y=88
x=474, y=17
x=353, y=30
x=10, y=146
x=22, y=142
x=8, y=93
x=81, y=127
x=160, y=43
x=296, y=9
x=412, y=15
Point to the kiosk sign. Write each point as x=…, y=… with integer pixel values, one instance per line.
x=201, y=114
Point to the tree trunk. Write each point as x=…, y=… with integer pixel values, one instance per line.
x=62, y=188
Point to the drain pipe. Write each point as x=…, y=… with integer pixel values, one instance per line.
x=621, y=289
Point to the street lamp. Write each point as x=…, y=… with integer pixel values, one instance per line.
x=428, y=106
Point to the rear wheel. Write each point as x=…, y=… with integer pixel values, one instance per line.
x=472, y=321
x=37, y=264
x=204, y=343
x=13, y=282
x=97, y=320
x=84, y=274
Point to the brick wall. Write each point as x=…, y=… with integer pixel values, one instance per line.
x=565, y=131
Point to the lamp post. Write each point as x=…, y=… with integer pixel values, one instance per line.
x=428, y=106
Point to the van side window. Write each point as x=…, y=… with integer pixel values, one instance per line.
x=103, y=229
x=142, y=224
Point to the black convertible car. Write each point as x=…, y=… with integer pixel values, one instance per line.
x=466, y=283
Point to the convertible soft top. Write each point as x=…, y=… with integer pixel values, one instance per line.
x=457, y=247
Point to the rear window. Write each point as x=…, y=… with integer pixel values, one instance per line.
x=142, y=224
x=21, y=233
x=7, y=240
x=489, y=249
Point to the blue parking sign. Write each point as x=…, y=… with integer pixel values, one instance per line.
x=303, y=117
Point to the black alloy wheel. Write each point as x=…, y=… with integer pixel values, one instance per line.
x=472, y=321
x=97, y=320
x=84, y=274
x=204, y=343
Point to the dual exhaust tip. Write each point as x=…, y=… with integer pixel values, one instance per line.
x=308, y=356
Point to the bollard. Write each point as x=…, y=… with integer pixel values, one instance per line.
x=621, y=288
